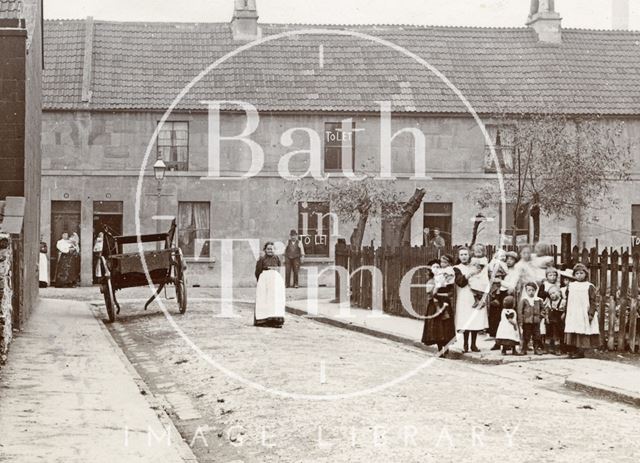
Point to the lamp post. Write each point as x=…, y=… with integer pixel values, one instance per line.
x=159, y=169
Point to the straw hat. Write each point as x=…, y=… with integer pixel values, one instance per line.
x=567, y=274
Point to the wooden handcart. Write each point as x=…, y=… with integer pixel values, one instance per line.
x=121, y=270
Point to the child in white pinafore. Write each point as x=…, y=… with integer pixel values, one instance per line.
x=581, y=330
x=508, y=334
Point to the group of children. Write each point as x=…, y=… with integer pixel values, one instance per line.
x=530, y=304
x=560, y=312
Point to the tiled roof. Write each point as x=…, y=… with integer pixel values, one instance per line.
x=145, y=65
x=10, y=9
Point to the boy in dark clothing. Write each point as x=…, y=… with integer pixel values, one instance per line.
x=555, y=307
x=529, y=315
x=293, y=254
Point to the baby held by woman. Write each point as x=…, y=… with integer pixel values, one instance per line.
x=486, y=273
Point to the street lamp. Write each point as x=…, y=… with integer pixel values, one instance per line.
x=159, y=169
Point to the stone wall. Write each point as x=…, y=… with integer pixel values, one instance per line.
x=20, y=132
x=6, y=295
x=32, y=158
x=12, y=107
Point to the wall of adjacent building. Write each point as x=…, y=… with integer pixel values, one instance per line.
x=20, y=131
x=98, y=156
x=32, y=157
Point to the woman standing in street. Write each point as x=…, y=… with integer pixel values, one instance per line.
x=270, y=292
x=471, y=318
x=439, y=327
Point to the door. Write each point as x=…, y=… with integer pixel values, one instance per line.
x=107, y=215
x=65, y=218
x=437, y=219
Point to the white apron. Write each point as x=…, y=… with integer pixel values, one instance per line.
x=43, y=269
x=506, y=330
x=270, y=296
x=577, y=315
x=468, y=318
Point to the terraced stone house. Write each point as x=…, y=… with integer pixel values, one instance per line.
x=107, y=85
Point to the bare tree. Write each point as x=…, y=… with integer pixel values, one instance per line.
x=559, y=166
x=354, y=201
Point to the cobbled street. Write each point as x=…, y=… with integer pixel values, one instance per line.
x=449, y=411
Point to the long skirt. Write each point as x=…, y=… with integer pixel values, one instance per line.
x=270, y=299
x=495, y=312
x=65, y=270
x=439, y=327
x=582, y=341
x=469, y=318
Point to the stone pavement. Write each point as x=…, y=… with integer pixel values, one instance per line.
x=405, y=330
x=622, y=385
x=608, y=379
x=68, y=394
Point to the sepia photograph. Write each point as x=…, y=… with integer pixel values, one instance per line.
x=246, y=231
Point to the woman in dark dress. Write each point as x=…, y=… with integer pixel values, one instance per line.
x=268, y=261
x=270, y=291
x=439, y=326
x=66, y=274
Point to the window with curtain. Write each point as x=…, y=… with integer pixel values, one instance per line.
x=193, y=229
x=173, y=145
x=502, y=137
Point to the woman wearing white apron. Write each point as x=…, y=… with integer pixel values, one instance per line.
x=270, y=292
x=43, y=266
x=581, y=329
x=470, y=317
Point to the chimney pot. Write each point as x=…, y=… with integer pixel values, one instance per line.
x=545, y=21
x=620, y=14
x=244, y=25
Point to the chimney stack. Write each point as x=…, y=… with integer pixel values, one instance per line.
x=620, y=14
x=545, y=21
x=244, y=25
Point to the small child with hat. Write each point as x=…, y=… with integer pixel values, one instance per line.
x=508, y=334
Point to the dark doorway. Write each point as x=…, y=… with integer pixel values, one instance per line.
x=107, y=215
x=65, y=218
x=438, y=215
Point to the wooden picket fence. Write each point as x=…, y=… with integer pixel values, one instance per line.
x=614, y=273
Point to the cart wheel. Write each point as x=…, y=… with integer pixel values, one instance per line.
x=181, y=293
x=107, y=292
x=180, y=283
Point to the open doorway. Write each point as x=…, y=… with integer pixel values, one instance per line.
x=437, y=220
x=65, y=218
x=107, y=215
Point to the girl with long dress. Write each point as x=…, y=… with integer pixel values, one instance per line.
x=470, y=318
x=439, y=327
x=270, y=291
x=581, y=329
